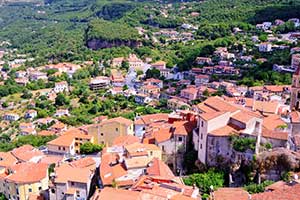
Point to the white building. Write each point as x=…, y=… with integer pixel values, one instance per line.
x=61, y=87
x=265, y=47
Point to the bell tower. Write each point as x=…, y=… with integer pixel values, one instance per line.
x=295, y=93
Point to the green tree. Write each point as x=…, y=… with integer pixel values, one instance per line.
x=61, y=100
x=88, y=148
x=125, y=65
x=26, y=94
x=204, y=180
x=152, y=73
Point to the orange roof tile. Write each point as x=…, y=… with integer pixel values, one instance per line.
x=225, y=131
x=231, y=193
x=7, y=159
x=23, y=172
x=125, y=140
x=280, y=135
x=109, y=173
x=26, y=153
x=272, y=122
x=112, y=193
x=162, y=135
x=243, y=117
x=211, y=115
x=287, y=193
x=46, y=133
x=148, y=119
x=66, y=172
x=84, y=162
x=120, y=120
x=159, y=168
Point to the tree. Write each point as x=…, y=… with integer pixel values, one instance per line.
x=204, y=180
x=125, y=87
x=89, y=148
x=61, y=100
x=125, y=65
x=4, y=104
x=152, y=73
x=26, y=94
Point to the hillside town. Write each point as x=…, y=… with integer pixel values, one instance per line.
x=127, y=126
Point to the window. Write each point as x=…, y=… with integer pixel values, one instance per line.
x=163, y=148
x=202, y=124
x=180, y=139
x=72, y=183
x=102, y=142
x=40, y=188
x=64, y=148
x=101, y=134
x=151, y=153
x=117, y=129
x=29, y=190
x=201, y=136
x=200, y=146
x=58, y=148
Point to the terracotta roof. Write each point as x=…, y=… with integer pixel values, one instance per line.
x=7, y=159
x=68, y=137
x=280, y=135
x=272, y=122
x=148, y=119
x=137, y=162
x=84, y=162
x=211, y=115
x=111, y=193
x=58, y=125
x=109, y=172
x=266, y=106
x=46, y=133
x=231, y=194
x=63, y=140
x=23, y=172
x=225, y=131
x=183, y=127
x=202, y=107
x=158, y=63
x=243, y=117
x=120, y=120
x=295, y=117
x=66, y=172
x=26, y=153
x=218, y=104
x=51, y=159
x=159, y=168
x=285, y=193
x=136, y=149
x=162, y=135
x=125, y=140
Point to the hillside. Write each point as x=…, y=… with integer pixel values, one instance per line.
x=64, y=29
x=104, y=34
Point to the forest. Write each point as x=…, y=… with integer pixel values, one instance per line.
x=60, y=30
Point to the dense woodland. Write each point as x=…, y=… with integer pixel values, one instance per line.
x=59, y=30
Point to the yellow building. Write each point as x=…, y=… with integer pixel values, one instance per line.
x=24, y=179
x=106, y=131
